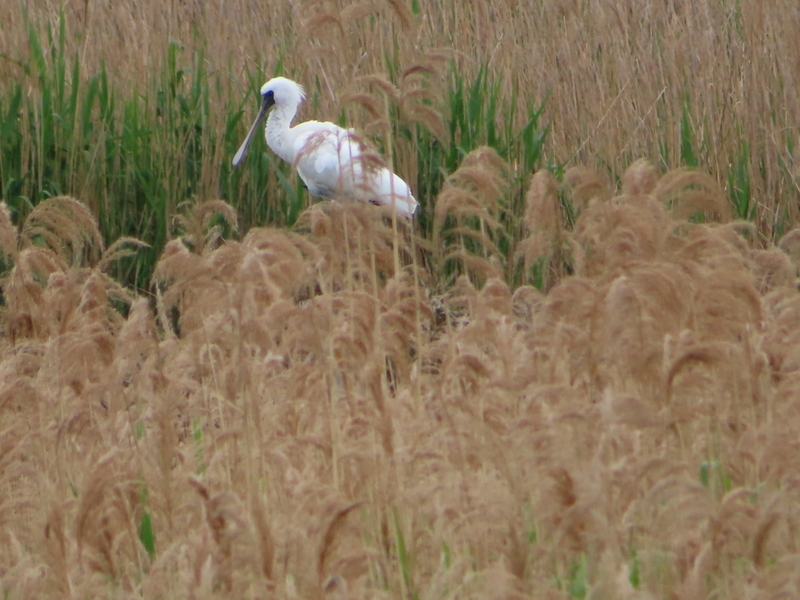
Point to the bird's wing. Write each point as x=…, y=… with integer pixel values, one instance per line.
x=317, y=157
x=329, y=160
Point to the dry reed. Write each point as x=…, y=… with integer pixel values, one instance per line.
x=289, y=418
x=707, y=83
x=309, y=413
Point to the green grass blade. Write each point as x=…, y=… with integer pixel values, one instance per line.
x=688, y=154
x=147, y=535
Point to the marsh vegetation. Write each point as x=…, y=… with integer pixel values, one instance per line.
x=574, y=375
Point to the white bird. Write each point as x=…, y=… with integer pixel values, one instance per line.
x=329, y=159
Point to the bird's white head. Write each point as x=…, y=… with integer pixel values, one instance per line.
x=284, y=92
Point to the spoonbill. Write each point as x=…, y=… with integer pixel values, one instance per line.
x=329, y=159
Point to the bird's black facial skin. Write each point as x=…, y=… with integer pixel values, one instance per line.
x=268, y=100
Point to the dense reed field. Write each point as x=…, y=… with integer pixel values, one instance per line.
x=137, y=109
x=574, y=375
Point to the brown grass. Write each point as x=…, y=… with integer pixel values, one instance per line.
x=298, y=418
x=619, y=74
x=308, y=413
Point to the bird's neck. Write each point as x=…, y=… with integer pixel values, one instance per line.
x=278, y=125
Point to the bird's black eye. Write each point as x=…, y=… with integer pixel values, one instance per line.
x=269, y=94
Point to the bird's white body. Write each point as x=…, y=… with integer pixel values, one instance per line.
x=329, y=159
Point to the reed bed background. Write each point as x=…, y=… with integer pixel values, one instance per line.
x=137, y=109
x=575, y=375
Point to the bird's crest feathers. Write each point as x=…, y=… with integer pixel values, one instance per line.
x=284, y=90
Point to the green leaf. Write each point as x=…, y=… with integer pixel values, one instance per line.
x=147, y=535
x=402, y=554
x=635, y=576
x=578, y=578
x=9, y=127
x=688, y=155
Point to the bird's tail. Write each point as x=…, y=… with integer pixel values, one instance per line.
x=389, y=188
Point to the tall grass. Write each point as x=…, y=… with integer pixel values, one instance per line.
x=135, y=157
x=573, y=375
x=140, y=123
x=296, y=416
x=138, y=156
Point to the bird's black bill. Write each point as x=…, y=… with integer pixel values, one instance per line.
x=266, y=104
